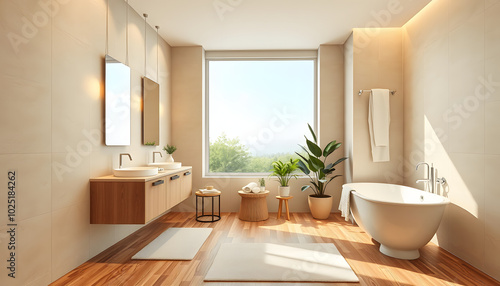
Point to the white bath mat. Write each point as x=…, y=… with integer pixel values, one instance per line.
x=305, y=262
x=175, y=244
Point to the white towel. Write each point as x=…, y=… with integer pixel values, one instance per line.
x=256, y=190
x=345, y=205
x=379, y=120
x=248, y=188
x=205, y=191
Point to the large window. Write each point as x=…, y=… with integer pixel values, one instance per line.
x=257, y=112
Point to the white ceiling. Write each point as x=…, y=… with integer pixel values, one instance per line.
x=270, y=24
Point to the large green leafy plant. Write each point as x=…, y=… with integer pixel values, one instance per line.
x=283, y=171
x=313, y=164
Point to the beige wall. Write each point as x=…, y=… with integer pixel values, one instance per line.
x=348, y=106
x=376, y=59
x=52, y=95
x=452, y=104
x=331, y=111
x=188, y=120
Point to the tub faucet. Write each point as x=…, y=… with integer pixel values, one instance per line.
x=429, y=177
x=154, y=153
x=124, y=154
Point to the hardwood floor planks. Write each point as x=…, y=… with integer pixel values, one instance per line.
x=115, y=267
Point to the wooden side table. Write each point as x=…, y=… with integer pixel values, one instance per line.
x=253, y=207
x=214, y=217
x=280, y=207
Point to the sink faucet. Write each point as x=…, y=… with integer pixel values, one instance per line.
x=430, y=178
x=155, y=157
x=121, y=156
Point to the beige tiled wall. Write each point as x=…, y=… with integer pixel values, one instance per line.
x=375, y=61
x=52, y=96
x=452, y=87
x=188, y=120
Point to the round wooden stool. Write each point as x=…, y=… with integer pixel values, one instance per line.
x=253, y=207
x=213, y=215
x=280, y=207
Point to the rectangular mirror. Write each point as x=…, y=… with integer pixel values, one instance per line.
x=117, y=103
x=151, y=112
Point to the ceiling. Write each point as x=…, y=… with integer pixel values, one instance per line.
x=270, y=24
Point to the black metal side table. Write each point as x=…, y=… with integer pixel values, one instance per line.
x=214, y=217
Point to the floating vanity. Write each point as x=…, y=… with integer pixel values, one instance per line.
x=137, y=200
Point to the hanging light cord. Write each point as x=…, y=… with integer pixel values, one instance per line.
x=145, y=42
x=107, y=32
x=126, y=37
x=157, y=48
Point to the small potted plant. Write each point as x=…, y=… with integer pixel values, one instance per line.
x=170, y=149
x=283, y=171
x=313, y=165
x=262, y=184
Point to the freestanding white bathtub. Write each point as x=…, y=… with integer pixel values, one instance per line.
x=401, y=219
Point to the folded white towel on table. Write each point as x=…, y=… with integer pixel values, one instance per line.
x=379, y=120
x=256, y=190
x=205, y=191
x=345, y=205
x=248, y=188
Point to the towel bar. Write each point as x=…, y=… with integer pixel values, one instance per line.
x=368, y=90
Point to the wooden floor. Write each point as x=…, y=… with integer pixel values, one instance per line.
x=114, y=266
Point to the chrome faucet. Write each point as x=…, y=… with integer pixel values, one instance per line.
x=430, y=178
x=124, y=154
x=426, y=179
x=155, y=157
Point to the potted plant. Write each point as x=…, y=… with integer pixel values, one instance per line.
x=313, y=165
x=283, y=171
x=170, y=149
x=262, y=184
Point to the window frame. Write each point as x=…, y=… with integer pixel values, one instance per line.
x=250, y=56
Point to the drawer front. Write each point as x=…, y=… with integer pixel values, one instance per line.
x=186, y=185
x=155, y=198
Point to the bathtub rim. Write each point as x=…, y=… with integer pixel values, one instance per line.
x=444, y=201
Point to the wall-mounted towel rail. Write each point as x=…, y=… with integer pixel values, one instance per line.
x=369, y=90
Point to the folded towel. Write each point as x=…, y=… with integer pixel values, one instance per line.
x=205, y=191
x=256, y=190
x=379, y=120
x=248, y=188
x=345, y=204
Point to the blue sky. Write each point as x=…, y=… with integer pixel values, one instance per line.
x=266, y=104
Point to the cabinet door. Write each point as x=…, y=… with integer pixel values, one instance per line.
x=155, y=198
x=173, y=193
x=186, y=184
x=169, y=199
x=117, y=203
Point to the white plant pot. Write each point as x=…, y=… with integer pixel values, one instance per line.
x=169, y=158
x=262, y=189
x=284, y=191
x=320, y=207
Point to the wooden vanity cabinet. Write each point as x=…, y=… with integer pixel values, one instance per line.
x=137, y=200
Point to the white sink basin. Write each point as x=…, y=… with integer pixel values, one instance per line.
x=136, y=172
x=166, y=165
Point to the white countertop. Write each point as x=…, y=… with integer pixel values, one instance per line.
x=112, y=178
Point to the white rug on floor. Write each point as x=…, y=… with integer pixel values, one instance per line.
x=304, y=262
x=175, y=244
